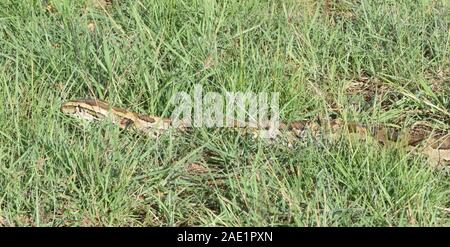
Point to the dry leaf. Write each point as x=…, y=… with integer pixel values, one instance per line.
x=91, y=26
x=100, y=3
x=196, y=168
x=437, y=157
x=41, y=162
x=208, y=62
x=3, y=222
x=50, y=8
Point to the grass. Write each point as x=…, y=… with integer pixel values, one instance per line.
x=137, y=54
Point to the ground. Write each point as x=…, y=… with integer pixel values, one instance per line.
x=375, y=62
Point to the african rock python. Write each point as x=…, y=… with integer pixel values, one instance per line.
x=435, y=145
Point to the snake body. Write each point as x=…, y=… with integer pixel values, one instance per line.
x=97, y=110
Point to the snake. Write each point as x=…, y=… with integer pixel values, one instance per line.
x=91, y=109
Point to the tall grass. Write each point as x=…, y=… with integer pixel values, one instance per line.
x=136, y=54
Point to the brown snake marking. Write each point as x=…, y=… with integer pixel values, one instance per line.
x=94, y=110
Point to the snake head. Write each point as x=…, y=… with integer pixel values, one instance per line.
x=87, y=109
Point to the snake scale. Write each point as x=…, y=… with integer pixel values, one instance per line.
x=431, y=142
